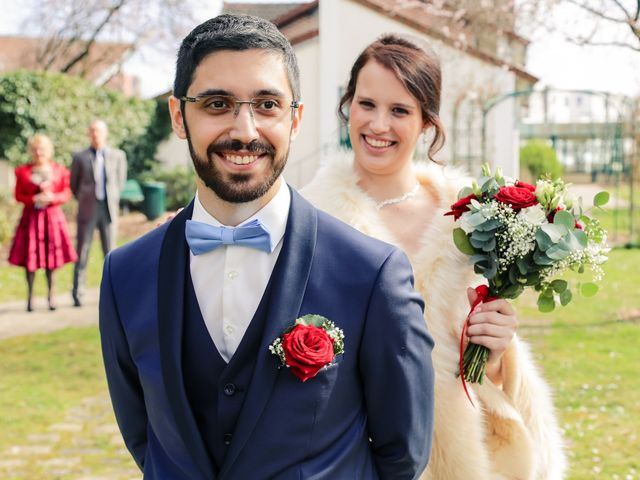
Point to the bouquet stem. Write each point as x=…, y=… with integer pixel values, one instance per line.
x=475, y=362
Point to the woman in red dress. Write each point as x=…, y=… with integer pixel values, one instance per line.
x=42, y=238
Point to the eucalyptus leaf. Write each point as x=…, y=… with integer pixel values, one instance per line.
x=489, y=246
x=540, y=258
x=581, y=237
x=512, y=291
x=482, y=236
x=489, y=225
x=543, y=240
x=479, y=258
x=546, y=304
x=533, y=279
x=564, y=218
x=465, y=192
x=559, y=286
x=588, y=289
x=491, y=272
x=565, y=297
x=523, y=265
x=475, y=219
x=476, y=204
x=461, y=241
x=556, y=252
x=601, y=199
x=555, y=231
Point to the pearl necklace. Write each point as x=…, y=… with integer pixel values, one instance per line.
x=401, y=198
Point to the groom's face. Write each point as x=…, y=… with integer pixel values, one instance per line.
x=238, y=148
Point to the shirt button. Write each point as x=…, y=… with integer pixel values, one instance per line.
x=232, y=275
x=229, y=389
x=229, y=329
x=226, y=438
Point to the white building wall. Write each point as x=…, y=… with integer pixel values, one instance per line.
x=346, y=28
x=173, y=152
x=304, y=148
x=463, y=75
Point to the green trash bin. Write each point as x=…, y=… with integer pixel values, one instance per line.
x=154, y=199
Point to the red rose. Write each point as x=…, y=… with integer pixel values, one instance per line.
x=528, y=186
x=517, y=197
x=307, y=349
x=461, y=206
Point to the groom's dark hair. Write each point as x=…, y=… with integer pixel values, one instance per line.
x=232, y=32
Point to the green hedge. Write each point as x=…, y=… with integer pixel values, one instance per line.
x=538, y=158
x=179, y=182
x=62, y=106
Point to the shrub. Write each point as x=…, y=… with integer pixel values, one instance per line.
x=9, y=213
x=179, y=182
x=538, y=159
x=62, y=106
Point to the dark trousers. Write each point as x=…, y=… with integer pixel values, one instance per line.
x=107, y=229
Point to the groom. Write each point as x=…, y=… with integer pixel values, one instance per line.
x=188, y=312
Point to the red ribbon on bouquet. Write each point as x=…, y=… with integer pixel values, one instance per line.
x=483, y=296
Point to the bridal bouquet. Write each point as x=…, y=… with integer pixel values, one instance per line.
x=520, y=235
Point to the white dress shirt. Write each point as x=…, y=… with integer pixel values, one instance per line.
x=98, y=174
x=229, y=281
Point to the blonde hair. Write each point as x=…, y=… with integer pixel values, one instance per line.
x=42, y=139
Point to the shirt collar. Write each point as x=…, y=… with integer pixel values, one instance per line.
x=273, y=215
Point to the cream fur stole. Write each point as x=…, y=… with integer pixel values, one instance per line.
x=512, y=433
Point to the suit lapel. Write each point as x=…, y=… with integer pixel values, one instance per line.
x=174, y=257
x=287, y=292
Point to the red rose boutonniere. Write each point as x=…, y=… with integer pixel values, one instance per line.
x=308, y=346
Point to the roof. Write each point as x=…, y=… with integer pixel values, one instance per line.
x=417, y=17
x=297, y=21
x=17, y=52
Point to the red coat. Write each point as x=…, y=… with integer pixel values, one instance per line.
x=42, y=237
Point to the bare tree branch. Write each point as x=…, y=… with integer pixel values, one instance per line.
x=603, y=44
x=598, y=13
x=87, y=46
x=71, y=30
x=626, y=13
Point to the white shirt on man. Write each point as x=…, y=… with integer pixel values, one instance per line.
x=98, y=174
x=229, y=281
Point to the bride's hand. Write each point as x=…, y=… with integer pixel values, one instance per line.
x=492, y=325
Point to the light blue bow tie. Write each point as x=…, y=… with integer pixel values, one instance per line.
x=203, y=238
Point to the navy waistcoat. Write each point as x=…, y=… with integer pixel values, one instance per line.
x=215, y=389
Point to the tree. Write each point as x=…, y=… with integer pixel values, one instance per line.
x=72, y=30
x=614, y=23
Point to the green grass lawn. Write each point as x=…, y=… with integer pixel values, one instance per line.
x=589, y=357
x=49, y=383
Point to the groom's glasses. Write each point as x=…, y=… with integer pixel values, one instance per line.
x=264, y=110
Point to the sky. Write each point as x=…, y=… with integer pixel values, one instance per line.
x=556, y=62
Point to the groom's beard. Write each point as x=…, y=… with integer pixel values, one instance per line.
x=237, y=187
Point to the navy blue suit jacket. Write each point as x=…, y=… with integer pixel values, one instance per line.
x=368, y=416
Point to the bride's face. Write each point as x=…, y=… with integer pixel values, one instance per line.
x=385, y=121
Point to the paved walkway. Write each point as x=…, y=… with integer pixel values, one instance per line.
x=85, y=444
x=16, y=321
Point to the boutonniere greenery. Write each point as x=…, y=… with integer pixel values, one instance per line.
x=308, y=346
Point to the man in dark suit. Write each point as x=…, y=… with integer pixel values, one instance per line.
x=196, y=316
x=98, y=175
